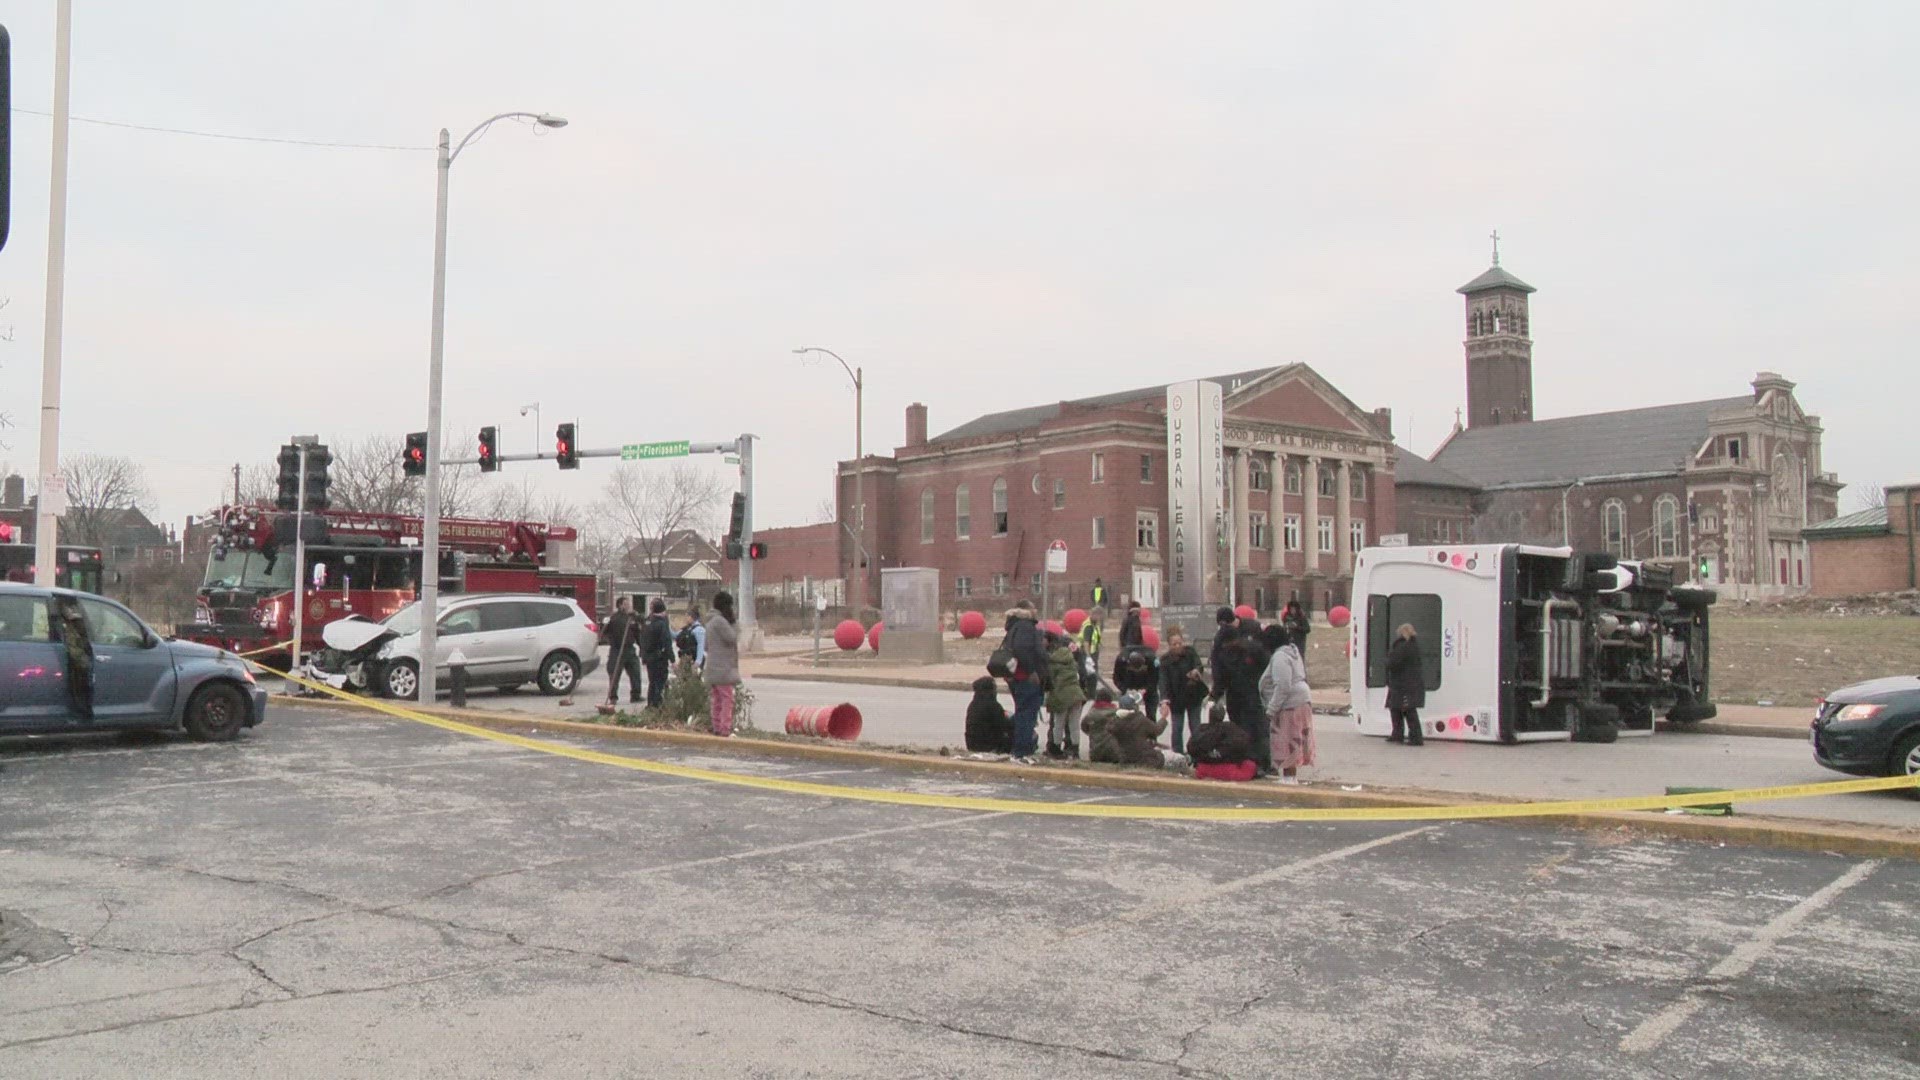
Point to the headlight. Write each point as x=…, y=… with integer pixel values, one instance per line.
x=1860, y=712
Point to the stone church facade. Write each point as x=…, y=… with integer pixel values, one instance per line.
x=1722, y=488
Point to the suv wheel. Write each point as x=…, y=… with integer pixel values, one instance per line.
x=559, y=673
x=216, y=713
x=401, y=680
x=1906, y=759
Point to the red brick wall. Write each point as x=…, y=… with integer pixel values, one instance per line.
x=1850, y=565
x=798, y=553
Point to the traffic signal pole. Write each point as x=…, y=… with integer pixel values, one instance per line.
x=300, y=559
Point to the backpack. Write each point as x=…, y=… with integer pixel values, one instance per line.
x=686, y=642
x=1000, y=663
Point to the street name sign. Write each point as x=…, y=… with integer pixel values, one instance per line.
x=648, y=450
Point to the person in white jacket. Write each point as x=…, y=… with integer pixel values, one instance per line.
x=1289, y=705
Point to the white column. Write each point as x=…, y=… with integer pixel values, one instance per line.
x=1310, y=515
x=1343, y=518
x=1277, y=510
x=1242, y=519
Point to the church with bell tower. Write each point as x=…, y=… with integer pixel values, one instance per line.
x=1499, y=347
x=1720, y=489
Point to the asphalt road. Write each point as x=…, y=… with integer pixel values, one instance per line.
x=336, y=895
x=1638, y=766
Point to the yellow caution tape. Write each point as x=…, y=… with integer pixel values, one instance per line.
x=1480, y=811
x=288, y=644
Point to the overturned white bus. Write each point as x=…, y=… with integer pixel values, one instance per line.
x=1525, y=644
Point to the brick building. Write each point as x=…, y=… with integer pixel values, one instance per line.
x=1876, y=550
x=1310, y=479
x=1724, y=486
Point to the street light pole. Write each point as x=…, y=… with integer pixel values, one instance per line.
x=1566, y=530
x=858, y=375
x=430, y=527
x=46, y=523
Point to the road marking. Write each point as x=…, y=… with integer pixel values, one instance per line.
x=1478, y=812
x=1186, y=901
x=1741, y=960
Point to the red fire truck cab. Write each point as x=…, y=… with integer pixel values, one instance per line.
x=363, y=564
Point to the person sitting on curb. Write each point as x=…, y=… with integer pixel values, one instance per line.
x=1098, y=724
x=1221, y=750
x=988, y=729
x=1134, y=733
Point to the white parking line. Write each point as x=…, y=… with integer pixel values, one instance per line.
x=1741, y=960
x=1186, y=902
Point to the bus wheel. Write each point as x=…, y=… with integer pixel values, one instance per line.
x=1598, y=724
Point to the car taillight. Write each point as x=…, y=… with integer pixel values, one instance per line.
x=1860, y=712
x=592, y=627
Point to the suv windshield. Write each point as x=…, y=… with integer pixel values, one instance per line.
x=404, y=621
x=235, y=569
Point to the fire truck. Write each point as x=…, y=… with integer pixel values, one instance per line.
x=363, y=564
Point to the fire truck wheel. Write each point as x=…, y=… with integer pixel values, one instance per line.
x=402, y=680
x=216, y=713
x=559, y=672
x=1598, y=724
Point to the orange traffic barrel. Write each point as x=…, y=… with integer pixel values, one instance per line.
x=825, y=721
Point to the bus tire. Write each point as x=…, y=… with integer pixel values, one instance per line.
x=1598, y=724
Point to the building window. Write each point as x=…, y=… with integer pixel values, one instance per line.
x=1059, y=494
x=962, y=512
x=963, y=586
x=1099, y=467
x=1256, y=530
x=1733, y=449
x=1257, y=476
x=1099, y=532
x=1356, y=536
x=1329, y=482
x=1326, y=534
x=1613, y=526
x=1000, y=507
x=1146, y=468
x=1357, y=484
x=1709, y=521
x=1294, y=473
x=1036, y=585
x=999, y=584
x=1146, y=531
x=1666, y=526
x=926, y=516
x=1291, y=532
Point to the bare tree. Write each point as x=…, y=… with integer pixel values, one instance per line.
x=1870, y=496
x=99, y=488
x=259, y=483
x=826, y=512
x=369, y=476
x=649, y=505
x=524, y=502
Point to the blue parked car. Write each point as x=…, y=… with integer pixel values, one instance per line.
x=72, y=661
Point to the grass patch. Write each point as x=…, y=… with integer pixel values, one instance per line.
x=1795, y=659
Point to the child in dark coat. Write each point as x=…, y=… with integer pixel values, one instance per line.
x=989, y=731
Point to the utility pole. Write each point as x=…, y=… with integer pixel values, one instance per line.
x=236, y=484
x=749, y=628
x=305, y=443
x=46, y=523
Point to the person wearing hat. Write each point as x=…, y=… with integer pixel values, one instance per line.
x=1032, y=674
x=1134, y=732
x=1065, y=698
x=1097, y=724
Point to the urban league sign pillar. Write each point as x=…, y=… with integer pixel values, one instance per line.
x=1196, y=495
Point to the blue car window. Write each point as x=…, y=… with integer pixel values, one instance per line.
x=24, y=618
x=108, y=625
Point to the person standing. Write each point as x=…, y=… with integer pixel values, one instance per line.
x=1065, y=699
x=656, y=651
x=688, y=643
x=1092, y=632
x=623, y=654
x=1406, y=686
x=1298, y=625
x=1137, y=670
x=1028, y=679
x=1289, y=705
x=1099, y=593
x=1132, y=628
x=1183, y=687
x=721, y=672
x=1239, y=660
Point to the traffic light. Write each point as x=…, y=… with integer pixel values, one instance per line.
x=319, y=459
x=757, y=550
x=1703, y=568
x=565, y=449
x=287, y=495
x=733, y=549
x=489, y=449
x=414, y=461
x=737, y=523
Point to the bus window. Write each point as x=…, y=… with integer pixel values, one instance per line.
x=1385, y=615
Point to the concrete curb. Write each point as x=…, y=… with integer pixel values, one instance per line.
x=1704, y=727
x=1866, y=841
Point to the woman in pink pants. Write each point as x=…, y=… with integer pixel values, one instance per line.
x=722, y=673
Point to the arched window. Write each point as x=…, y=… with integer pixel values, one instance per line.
x=926, y=516
x=1000, y=507
x=1257, y=479
x=1293, y=476
x=962, y=512
x=1666, y=526
x=1613, y=526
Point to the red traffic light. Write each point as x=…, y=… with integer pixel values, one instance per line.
x=489, y=449
x=756, y=550
x=563, y=447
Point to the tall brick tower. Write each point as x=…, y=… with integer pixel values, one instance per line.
x=1499, y=347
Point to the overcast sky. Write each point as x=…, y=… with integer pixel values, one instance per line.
x=986, y=205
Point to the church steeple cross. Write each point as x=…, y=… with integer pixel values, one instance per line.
x=1496, y=247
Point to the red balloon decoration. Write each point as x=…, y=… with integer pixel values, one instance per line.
x=1339, y=615
x=873, y=636
x=1245, y=611
x=1074, y=620
x=1053, y=627
x=972, y=624
x=849, y=634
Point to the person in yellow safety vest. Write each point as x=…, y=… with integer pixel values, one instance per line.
x=1099, y=593
x=1091, y=632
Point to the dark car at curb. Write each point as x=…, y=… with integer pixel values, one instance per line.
x=75, y=662
x=1871, y=728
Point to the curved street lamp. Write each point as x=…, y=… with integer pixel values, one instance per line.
x=858, y=375
x=430, y=528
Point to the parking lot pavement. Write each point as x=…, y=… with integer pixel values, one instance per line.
x=344, y=895
x=1638, y=766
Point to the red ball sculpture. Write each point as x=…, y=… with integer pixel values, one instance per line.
x=1339, y=615
x=972, y=624
x=873, y=636
x=1074, y=620
x=849, y=634
x=1052, y=626
x=1246, y=611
